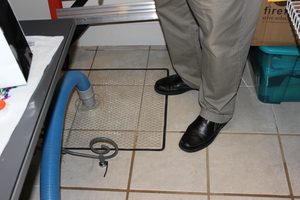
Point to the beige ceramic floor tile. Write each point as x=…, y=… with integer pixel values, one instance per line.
x=251, y=116
x=170, y=169
x=153, y=75
x=288, y=118
x=247, y=164
x=158, y=47
x=291, y=146
x=160, y=59
x=79, y=195
x=247, y=80
x=150, y=140
x=117, y=77
x=245, y=198
x=121, y=59
x=152, y=111
x=92, y=195
x=124, y=48
x=88, y=48
x=81, y=58
x=84, y=172
x=150, y=196
x=182, y=110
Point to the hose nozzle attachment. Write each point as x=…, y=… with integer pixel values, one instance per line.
x=88, y=98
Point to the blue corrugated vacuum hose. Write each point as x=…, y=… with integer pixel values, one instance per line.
x=51, y=155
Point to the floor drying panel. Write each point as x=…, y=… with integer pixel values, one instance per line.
x=128, y=111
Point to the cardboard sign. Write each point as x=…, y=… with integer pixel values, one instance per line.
x=274, y=26
x=15, y=54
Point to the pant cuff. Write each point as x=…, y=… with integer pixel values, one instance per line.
x=211, y=116
x=190, y=84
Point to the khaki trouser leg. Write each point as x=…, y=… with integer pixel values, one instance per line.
x=227, y=27
x=182, y=37
x=210, y=52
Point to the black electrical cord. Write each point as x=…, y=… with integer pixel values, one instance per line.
x=102, y=151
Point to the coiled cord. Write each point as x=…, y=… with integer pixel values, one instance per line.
x=102, y=151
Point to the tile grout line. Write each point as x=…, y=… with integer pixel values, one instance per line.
x=249, y=133
x=283, y=157
x=168, y=192
x=174, y=192
x=133, y=152
x=73, y=120
x=92, y=189
x=125, y=85
x=207, y=174
x=142, y=98
x=135, y=139
x=148, y=58
x=130, y=175
x=245, y=83
x=251, y=195
x=271, y=134
x=296, y=134
x=93, y=61
x=241, y=133
x=141, y=104
x=106, y=130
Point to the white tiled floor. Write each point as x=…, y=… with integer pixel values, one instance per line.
x=251, y=115
x=256, y=157
x=170, y=169
x=244, y=163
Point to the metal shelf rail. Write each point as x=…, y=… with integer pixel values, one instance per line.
x=293, y=8
x=104, y=14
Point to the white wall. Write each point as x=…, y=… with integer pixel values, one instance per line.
x=30, y=9
x=146, y=33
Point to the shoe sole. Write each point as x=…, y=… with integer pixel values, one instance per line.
x=171, y=93
x=202, y=146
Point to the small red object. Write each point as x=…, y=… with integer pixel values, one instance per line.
x=2, y=104
x=53, y=5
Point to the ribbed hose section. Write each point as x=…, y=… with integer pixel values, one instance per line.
x=51, y=155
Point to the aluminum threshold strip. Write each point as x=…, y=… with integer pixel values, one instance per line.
x=293, y=8
x=114, y=13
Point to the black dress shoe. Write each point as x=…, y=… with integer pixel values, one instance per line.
x=200, y=134
x=171, y=85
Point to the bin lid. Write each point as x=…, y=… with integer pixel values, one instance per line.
x=281, y=50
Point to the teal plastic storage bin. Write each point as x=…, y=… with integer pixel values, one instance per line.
x=277, y=73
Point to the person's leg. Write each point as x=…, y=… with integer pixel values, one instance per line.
x=181, y=33
x=227, y=28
